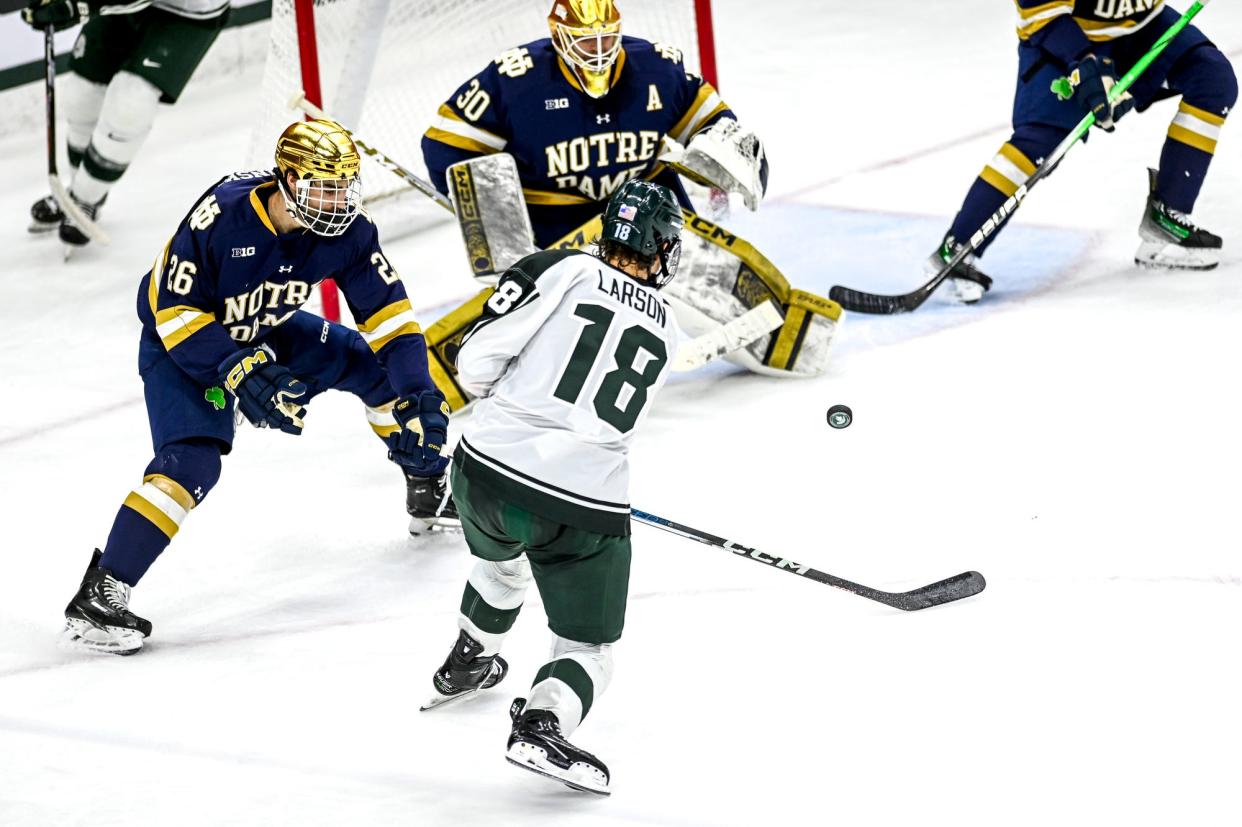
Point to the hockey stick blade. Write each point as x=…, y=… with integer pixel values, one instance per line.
x=957, y=587
x=878, y=304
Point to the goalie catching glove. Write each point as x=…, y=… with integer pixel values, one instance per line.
x=419, y=446
x=725, y=156
x=267, y=394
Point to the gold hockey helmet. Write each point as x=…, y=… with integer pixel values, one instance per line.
x=328, y=192
x=587, y=36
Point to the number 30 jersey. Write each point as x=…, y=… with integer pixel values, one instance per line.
x=566, y=360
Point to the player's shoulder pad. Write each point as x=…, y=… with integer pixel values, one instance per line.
x=223, y=198
x=537, y=264
x=522, y=63
x=648, y=57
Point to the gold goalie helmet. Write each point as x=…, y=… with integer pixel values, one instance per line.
x=328, y=191
x=587, y=36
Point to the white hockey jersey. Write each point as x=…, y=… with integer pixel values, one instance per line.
x=566, y=360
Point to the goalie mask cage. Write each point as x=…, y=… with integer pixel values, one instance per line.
x=383, y=67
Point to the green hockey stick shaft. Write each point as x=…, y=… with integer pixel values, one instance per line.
x=1088, y=120
x=863, y=302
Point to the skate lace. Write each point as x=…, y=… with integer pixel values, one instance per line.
x=1181, y=218
x=116, y=593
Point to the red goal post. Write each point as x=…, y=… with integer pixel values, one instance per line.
x=383, y=67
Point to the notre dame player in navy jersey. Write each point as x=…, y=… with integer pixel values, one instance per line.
x=221, y=319
x=1094, y=42
x=581, y=113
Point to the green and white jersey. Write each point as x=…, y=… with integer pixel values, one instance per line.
x=193, y=9
x=566, y=360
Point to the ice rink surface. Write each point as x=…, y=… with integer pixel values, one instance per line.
x=1075, y=437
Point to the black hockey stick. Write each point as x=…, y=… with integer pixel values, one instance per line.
x=89, y=227
x=863, y=302
x=962, y=585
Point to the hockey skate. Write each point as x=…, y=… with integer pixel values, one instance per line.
x=430, y=505
x=536, y=744
x=70, y=233
x=45, y=215
x=98, y=618
x=1170, y=240
x=465, y=673
x=967, y=281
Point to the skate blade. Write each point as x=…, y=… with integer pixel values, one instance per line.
x=83, y=636
x=39, y=228
x=420, y=527
x=1170, y=265
x=530, y=758
x=444, y=700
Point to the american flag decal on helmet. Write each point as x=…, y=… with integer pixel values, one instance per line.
x=627, y=211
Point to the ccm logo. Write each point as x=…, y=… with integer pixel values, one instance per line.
x=242, y=252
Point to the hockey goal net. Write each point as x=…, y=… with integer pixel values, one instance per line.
x=383, y=67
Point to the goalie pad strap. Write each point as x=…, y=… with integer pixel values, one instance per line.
x=801, y=311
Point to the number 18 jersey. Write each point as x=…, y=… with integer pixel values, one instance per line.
x=566, y=360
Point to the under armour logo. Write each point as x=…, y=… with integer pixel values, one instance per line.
x=602, y=119
x=198, y=493
x=285, y=268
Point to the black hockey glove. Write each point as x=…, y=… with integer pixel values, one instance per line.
x=1091, y=78
x=57, y=14
x=267, y=394
x=418, y=447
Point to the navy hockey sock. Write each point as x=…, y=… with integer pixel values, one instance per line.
x=175, y=481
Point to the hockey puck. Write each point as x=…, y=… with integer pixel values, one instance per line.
x=840, y=416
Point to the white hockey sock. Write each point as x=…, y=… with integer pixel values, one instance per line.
x=125, y=119
x=502, y=586
x=83, y=101
x=572, y=681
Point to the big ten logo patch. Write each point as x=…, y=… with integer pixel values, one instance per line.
x=556, y=103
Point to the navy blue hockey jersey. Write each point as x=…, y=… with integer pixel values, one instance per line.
x=572, y=151
x=226, y=278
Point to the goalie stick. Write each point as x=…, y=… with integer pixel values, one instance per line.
x=865, y=302
x=87, y=226
x=736, y=334
x=957, y=587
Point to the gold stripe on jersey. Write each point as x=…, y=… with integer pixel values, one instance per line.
x=1035, y=18
x=1099, y=31
x=381, y=419
x=397, y=319
x=176, y=324
x=549, y=198
x=1008, y=170
x=157, y=273
x=172, y=488
x=452, y=130
x=260, y=208
x=706, y=104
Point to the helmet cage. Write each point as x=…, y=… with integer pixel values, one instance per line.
x=590, y=51
x=325, y=206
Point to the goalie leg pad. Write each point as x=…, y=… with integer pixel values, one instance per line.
x=443, y=340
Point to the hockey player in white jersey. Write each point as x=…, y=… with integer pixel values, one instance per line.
x=130, y=56
x=566, y=361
